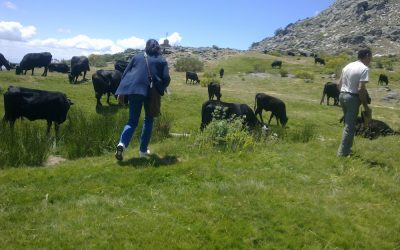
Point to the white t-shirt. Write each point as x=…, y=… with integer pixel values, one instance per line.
x=352, y=75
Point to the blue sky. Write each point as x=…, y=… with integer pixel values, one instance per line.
x=68, y=28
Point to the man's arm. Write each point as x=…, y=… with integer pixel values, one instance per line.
x=362, y=91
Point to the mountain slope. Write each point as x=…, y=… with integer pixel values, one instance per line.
x=345, y=26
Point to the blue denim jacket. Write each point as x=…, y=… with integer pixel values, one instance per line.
x=135, y=77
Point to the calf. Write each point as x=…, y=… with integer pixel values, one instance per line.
x=330, y=90
x=373, y=129
x=319, y=60
x=273, y=104
x=192, y=76
x=3, y=61
x=32, y=60
x=214, y=89
x=36, y=104
x=221, y=72
x=276, y=63
x=383, y=79
x=227, y=111
x=105, y=82
x=79, y=64
x=59, y=67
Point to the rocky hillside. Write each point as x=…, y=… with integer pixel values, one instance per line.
x=345, y=26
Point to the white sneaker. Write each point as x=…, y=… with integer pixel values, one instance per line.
x=144, y=154
x=119, y=152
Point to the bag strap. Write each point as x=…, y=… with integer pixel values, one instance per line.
x=148, y=71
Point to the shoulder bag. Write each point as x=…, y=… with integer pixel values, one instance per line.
x=155, y=97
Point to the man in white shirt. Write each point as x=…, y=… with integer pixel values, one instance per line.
x=353, y=92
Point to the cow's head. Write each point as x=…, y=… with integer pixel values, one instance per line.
x=284, y=120
x=18, y=70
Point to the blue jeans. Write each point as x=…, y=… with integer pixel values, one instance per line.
x=350, y=106
x=135, y=108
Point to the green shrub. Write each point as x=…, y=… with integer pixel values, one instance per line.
x=302, y=134
x=25, y=144
x=184, y=64
x=228, y=134
x=208, y=77
x=304, y=75
x=162, y=127
x=283, y=72
x=90, y=135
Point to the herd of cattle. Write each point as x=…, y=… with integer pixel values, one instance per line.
x=53, y=106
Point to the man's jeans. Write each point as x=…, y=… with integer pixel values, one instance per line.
x=350, y=106
x=135, y=107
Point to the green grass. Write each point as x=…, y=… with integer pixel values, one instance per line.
x=288, y=190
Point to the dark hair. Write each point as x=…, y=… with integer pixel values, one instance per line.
x=364, y=53
x=152, y=47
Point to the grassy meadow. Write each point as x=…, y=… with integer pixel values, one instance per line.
x=282, y=190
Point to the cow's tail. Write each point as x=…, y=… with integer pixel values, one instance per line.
x=323, y=95
x=255, y=103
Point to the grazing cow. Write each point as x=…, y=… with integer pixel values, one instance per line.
x=273, y=104
x=59, y=67
x=79, y=64
x=36, y=104
x=276, y=63
x=303, y=54
x=383, y=79
x=214, y=89
x=221, y=72
x=290, y=53
x=32, y=60
x=227, y=111
x=373, y=129
x=319, y=60
x=120, y=65
x=192, y=76
x=330, y=90
x=105, y=82
x=3, y=61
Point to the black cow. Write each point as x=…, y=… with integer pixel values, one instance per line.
x=319, y=60
x=273, y=104
x=3, y=61
x=214, y=89
x=221, y=72
x=383, y=79
x=32, y=60
x=59, y=67
x=373, y=129
x=330, y=90
x=36, y=104
x=192, y=76
x=227, y=111
x=120, y=65
x=79, y=64
x=276, y=63
x=105, y=82
x=290, y=53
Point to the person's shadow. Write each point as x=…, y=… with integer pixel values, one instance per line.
x=152, y=160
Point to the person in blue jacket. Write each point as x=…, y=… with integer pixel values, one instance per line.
x=135, y=86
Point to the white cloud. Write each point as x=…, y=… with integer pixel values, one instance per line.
x=14, y=31
x=10, y=5
x=132, y=42
x=316, y=13
x=15, y=38
x=174, y=39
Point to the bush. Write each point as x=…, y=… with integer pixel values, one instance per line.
x=26, y=144
x=304, y=75
x=209, y=77
x=228, y=134
x=283, y=72
x=184, y=64
x=162, y=127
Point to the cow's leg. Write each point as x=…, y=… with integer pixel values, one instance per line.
x=56, y=129
x=48, y=126
x=45, y=71
x=84, y=75
x=270, y=118
x=33, y=70
x=259, y=112
x=327, y=100
x=98, y=97
x=108, y=98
